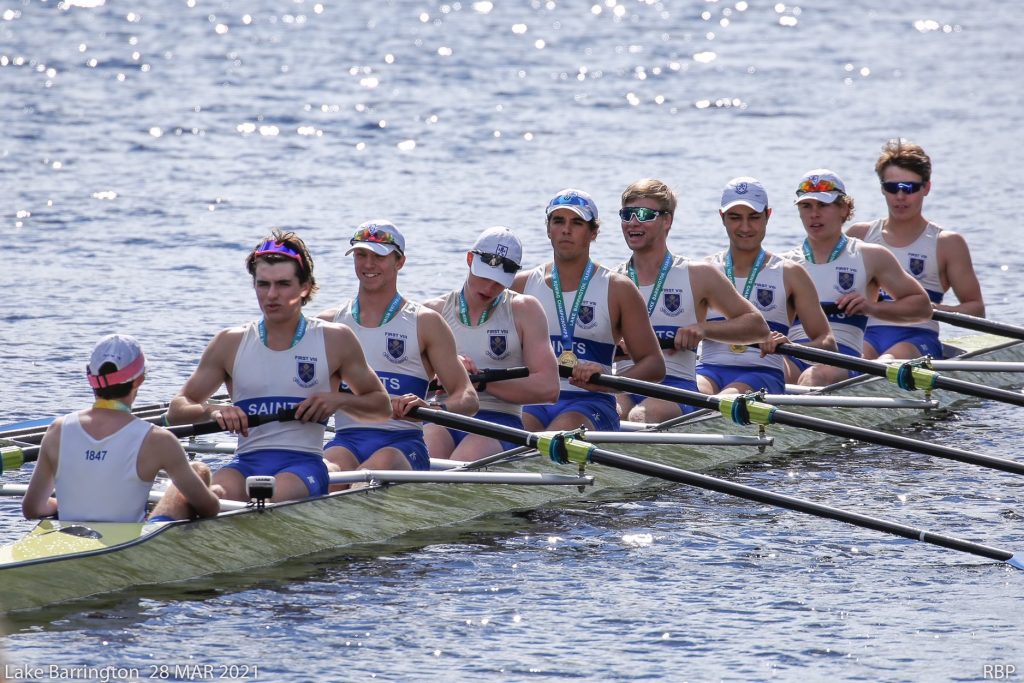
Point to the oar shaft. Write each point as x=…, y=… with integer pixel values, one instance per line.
x=977, y=324
x=490, y=375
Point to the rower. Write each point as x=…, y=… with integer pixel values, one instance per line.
x=679, y=294
x=495, y=328
x=103, y=460
x=937, y=258
x=779, y=289
x=847, y=273
x=589, y=309
x=407, y=344
x=283, y=360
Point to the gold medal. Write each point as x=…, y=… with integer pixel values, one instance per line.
x=567, y=358
x=737, y=348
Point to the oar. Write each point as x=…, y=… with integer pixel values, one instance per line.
x=14, y=456
x=904, y=375
x=971, y=322
x=563, y=448
x=743, y=411
x=480, y=379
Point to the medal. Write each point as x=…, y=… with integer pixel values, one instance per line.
x=737, y=348
x=567, y=358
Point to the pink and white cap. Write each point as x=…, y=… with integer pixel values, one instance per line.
x=121, y=350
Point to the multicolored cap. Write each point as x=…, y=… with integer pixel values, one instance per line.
x=126, y=355
x=746, y=191
x=379, y=236
x=577, y=201
x=821, y=184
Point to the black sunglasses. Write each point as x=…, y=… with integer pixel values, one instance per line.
x=908, y=187
x=495, y=260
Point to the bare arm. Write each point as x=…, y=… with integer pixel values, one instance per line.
x=804, y=304
x=858, y=230
x=439, y=351
x=631, y=323
x=190, y=406
x=519, y=283
x=542, y=384
x=957, y=271
x=742, y=324
x=909, y=303
x=39, y=501
x=366, y=400
x=162, y=447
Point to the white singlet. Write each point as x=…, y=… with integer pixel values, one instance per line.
x=846, y=274
x=920, y=259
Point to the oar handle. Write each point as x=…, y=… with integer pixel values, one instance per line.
x=665, y=344
x=480, y=379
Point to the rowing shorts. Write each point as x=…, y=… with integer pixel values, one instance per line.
x=365, y=441
x=497, y=417
x=310, y=468
x=884, y=337
x=772, y=380
x=597, y=407
x=843, y=348
x=676, y=383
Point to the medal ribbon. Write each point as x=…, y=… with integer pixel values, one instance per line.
x=755, y=270
x=809, y=255
x=568, y=325
x=464, y=309
x=389, y=313
x=111, y=404
x=300, y=331
x=659, y=283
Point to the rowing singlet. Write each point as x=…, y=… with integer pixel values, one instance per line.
x=674, y=309
x=493, y=345
x=264, y=381
x=592, y=337
x=393, y=351
x=98, y=480
x=844, y=275
x=769, y=298
x=920, y=259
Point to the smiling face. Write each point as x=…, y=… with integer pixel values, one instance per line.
x=278, y=290
x=903, y=206
x=377, y=273
x=570, y=235
x=647, y=235
x=745, y=226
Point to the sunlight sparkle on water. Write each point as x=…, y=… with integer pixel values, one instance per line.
x=705, y=57
x=483, y=7
x=407, y=145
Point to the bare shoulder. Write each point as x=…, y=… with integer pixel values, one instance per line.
x=524, y=304
x=337, y=332
x=162, y=441
x=858, y=230
x=429, y=321
x=950, y=239
x=328, y=314
x=435, y=304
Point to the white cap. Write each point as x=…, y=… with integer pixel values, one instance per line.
x=747, y=191
x=126, y=355
x=821, y=184
x=497, y=242
x=379, y=236
x=577, y=201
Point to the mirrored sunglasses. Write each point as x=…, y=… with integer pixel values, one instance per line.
x=278, y=248
x=904, y=186
x=822, y=185
x=640, y=213
x=495, y=260
x=375, y=235
x=569, y=200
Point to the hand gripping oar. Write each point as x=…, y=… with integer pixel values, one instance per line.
x=908, y=375
x=743, y=410
x=480, y=379
x=14, y=456
x=563, y=448
x=971, y=322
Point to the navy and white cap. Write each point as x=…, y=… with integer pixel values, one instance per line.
x=379, y=236
x=821, y=184
x=124, y=353
x=500, y=247
x=746, y=191
x=577, y=201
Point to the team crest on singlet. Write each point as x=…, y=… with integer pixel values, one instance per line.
x=672, y=303
x=586, y=317
x=497, y=346
x=845, y=281
x=395, y=348
x=916, y=266
x=765, y=297
x=305, y=372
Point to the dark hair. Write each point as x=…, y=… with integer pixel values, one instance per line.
x=114, y=391
x=303, y=268
x=907, y=155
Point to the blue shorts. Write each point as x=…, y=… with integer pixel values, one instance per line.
x=363, y=442
x=310, y=468
x=496, y=417
x=772, y=380
x=598, y=408
x=675, y=383
x=884, y=337
x=843, y=348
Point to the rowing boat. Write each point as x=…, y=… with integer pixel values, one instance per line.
x=64, y=560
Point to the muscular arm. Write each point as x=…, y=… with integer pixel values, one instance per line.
x=439, y=351
x=162, y=448
x=957, y=271
x=39, y=501
x=910, y=302
x=742, y=324
x=858, y=230
x=190, y=406
x=631, y=323
x=806, y=307
x=542, y=384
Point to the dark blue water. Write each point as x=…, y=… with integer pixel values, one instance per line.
x=145, y=147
